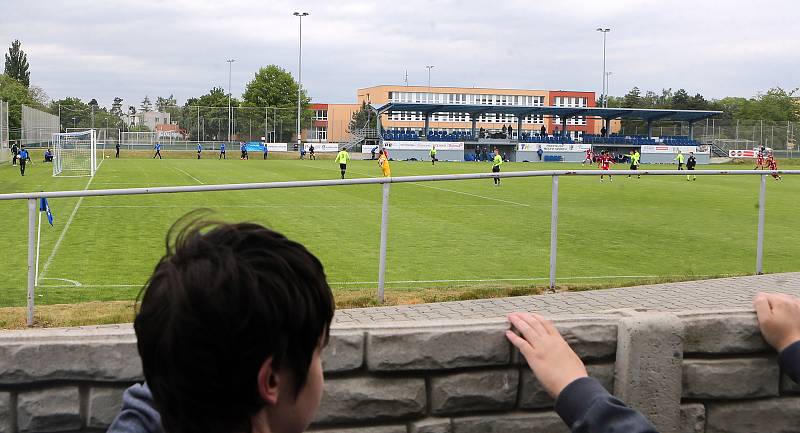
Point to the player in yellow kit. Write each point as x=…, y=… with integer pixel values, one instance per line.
x=383, y=162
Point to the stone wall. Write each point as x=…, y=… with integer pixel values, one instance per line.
x=688, y=372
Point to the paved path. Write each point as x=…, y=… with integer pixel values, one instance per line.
x=717, y=294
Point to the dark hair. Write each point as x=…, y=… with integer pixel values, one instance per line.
x=223, y=299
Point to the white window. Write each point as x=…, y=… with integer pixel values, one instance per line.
x=321, y=133
x=321, y=115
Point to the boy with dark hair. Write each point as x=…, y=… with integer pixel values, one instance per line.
x=230, y=330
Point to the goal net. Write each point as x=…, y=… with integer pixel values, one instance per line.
x=74, y=153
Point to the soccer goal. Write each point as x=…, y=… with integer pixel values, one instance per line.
x=75, y=153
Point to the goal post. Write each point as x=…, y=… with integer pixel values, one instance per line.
x=75, y=153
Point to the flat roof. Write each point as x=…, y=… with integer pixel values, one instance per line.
x=522, y=111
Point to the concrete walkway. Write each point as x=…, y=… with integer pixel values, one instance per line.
x=717, y=294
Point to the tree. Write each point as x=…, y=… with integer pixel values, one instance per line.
x=680, y=100
x=39, y=95
x=116, y=106
x=17, y=64
x=363, y=118
x=272, y=86
x=633, y=99
x=162, y=104
x=146, y=106
x=15, y=93
x=213, y=115
x=74, y=112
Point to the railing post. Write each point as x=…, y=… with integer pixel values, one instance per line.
x=384, y=230
x=553, y=232
x=31, y=257
x=762, y=196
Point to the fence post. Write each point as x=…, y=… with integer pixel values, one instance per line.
x=384, y=230
x=31, y=257
x=762, y=195
x=553, y=232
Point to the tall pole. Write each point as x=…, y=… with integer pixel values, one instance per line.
x=299, y=75
x=230, y=68
x=605, y=77
x=429, y=74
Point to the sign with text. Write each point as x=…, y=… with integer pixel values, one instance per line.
x=323, y=147
x=424, y=145
x=553, y=147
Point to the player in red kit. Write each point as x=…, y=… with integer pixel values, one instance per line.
x=759, y=160
x=588, y=157
x=605, y=164
x=772, y=164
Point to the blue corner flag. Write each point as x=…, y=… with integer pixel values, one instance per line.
x=45, y=207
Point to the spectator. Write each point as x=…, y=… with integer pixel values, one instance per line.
x=510, y=132
x=372, y=152
x=779, y=321
x=603, y=132
x=505, y=131
x=477, y=153
x=248, y=310
x=543, y=131
x=581, y=401
x=540, y=152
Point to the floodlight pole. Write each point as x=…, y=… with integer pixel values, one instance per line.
x=429, y=74
x=300, y=76
x=604, y=31
x=230, y=69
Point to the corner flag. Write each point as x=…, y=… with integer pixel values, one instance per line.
x=45, y=207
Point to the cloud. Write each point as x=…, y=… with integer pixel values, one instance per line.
x=92, y=49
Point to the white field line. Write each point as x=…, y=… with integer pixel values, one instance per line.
x=599, y=277
x=66, y=228
x=432, y=187
x=186, y=173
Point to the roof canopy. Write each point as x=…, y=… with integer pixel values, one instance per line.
x=522, y=111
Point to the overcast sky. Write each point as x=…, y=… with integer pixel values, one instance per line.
x=106, y=48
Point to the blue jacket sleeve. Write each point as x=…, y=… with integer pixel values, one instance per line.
x=586, y=407
x=789, y=361
x=138, y=414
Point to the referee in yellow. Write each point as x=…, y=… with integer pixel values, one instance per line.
x=341, y=158
x=496, y=163
x=433, y=155
x=383, y=162
x=680, y=160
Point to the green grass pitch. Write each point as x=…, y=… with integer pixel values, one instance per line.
x=443, y=236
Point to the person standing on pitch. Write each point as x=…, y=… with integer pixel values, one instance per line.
x=341, y=158
x=588, y=158
x=634, y=157
x=311, y=152
x=372, y=152
x=759, y=160
x=266, y=150
x=496, y=163
x=158, y=151
x=605, y=164
x=772, y=164
x=14, y=154
x=24, y=157
x=199, y=150
x=222, y=151
x=433, y=155
x=690, y=163
x=383, y=162
x=116, y=146
x=679, y=158
x=540, y=152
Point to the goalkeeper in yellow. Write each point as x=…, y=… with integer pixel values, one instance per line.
x=383, y=162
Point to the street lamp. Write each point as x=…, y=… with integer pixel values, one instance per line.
x=604, y=31
x=299, y=75
x=230, y=68
x=608, y=86
x=429, y=74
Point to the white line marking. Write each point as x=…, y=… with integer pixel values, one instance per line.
x=64, y=232
x=601, y=277
x=432, y=187
x=471, y=194
x=184, y=172
x=74, y=283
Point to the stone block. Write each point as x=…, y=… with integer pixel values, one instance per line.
x=431, y=425
x=762, y=416
x=788, y=386
x=371, y=429
x=436, y=349
x=693, y=418
x=730, y=379
x=591, y=340
x=104, y=405
x=722, y=333
x=648, y=368
x=69, y=359
x=542, y=422
x=533, y=396
x=371, y=399
x=49, y=410
x=474, y=391
x=344, y=352
x=6, y=413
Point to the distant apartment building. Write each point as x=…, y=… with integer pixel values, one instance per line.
x=149, y=119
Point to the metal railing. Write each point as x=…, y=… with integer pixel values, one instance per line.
x=33, y=197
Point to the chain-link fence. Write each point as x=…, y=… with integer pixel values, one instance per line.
x=728, y=134
x=4, y=129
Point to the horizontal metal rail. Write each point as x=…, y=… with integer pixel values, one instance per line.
x=376, y=180
x=32, y=198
